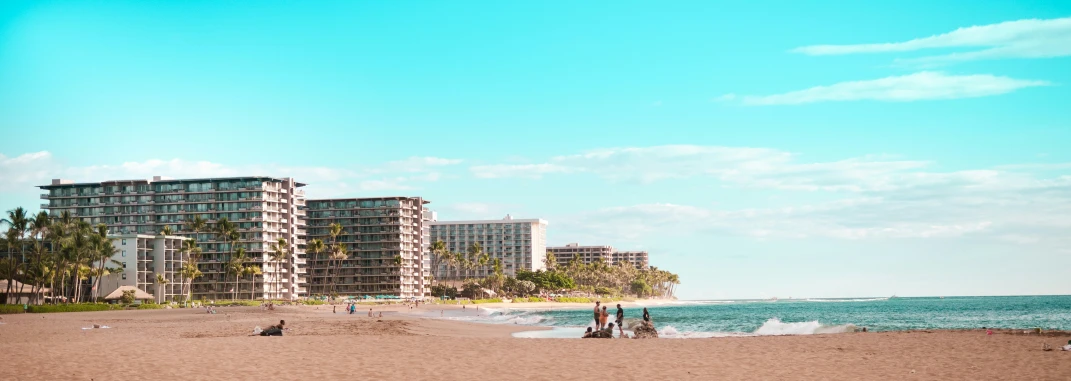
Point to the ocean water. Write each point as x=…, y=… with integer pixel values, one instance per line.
x=688, y=319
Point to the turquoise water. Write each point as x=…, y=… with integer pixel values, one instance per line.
x=809, y=316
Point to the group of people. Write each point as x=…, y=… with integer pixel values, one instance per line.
x=603, y=328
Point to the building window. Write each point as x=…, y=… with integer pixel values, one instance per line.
x=124, y=266
x=124, y=253
x=124, y=274
x=124, y=242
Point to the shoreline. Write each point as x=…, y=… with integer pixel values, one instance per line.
x=189, y=344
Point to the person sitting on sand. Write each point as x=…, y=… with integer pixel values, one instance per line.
x=587, y=334
x=275, y=330
x=605, y=333
x=1066, y=347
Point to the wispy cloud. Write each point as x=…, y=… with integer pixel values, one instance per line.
x=919, y=86
x=25, y=171
x=533, y=171
x=1028, y=38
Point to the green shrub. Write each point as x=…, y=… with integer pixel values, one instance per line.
x=313, y=302
x=150, y=306
x=11, y=309
x=86, y=307
x=484, y=301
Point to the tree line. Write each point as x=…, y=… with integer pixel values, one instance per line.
x=596, y=278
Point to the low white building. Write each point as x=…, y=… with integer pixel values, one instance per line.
x=142, y=257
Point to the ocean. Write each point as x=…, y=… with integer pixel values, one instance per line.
x=694, y=319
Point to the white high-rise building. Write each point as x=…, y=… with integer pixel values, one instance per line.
x=385, y=247
x=263, y=209
x=521, y=244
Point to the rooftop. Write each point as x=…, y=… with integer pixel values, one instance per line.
x=64, y=183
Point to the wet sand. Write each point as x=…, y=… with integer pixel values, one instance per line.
x=189, y=344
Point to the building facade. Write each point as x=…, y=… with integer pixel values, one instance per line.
x=590, y=254
x=263, y=209
x=142, y=258
x=637, y=259
x=519, y=244
x=585, y=254
x=385, y=241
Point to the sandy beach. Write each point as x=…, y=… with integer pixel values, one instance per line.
x=189, y=344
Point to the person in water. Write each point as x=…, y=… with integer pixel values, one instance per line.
x=620, y=319
x=597, y=315
x=646, y=316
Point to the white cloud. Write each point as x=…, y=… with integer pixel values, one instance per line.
x=879, y=197
x=904, y=88
x=24, y=172
x=1029, y=38
x=533, y=171
x=725, y=98
x=414, y=164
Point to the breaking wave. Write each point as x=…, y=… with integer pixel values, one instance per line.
x=845, y=300
x=775, y=327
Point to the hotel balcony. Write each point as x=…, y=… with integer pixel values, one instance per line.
x=44, y=206
x=44, y=196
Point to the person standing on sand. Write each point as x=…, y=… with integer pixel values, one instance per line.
x=620, y=319
x=597, y=315
x=604, y=317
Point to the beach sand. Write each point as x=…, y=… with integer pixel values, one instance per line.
x=189, y=344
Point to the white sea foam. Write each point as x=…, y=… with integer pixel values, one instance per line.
x=845, y=300
x=775, y=327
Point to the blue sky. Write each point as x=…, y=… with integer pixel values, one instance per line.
x=762, y=149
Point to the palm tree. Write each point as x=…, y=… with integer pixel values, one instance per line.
x=338, y=254
x=280, y=250
x=252, y=271
x=314, y=248
x=18, y=221
x=550, y=261
x=475, y=250
x=228, y=233
x=162, y=287
x=236, y=264
x=189, y=272
x=438, y=252
x=167, y=230
x=192, y=252
x=196, y=224
x=334, y=230
x=103, y=250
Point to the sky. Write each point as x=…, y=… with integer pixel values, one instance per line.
x=758, y=149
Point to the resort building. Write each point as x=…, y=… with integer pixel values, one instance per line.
x=385, y=241
x=637, y=259
x=262, y=209
x=589, y=254
x=519, y=244
x=141, y=258
x=585, y=254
